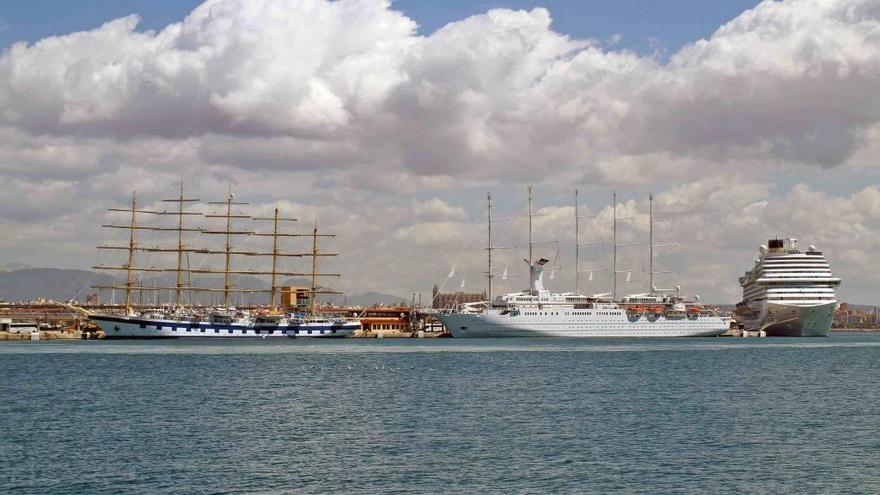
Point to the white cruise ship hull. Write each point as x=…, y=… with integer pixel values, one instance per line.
x=132, y=327
x=783, y=320
x=596, y=325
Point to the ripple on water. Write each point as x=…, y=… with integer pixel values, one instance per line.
x=431, y=416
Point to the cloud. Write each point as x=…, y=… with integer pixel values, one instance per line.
x=496, y=92
x=342, y=111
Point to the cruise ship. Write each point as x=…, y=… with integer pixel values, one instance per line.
x=789, y=292
x=537, y=312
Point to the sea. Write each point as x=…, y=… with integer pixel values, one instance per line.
x=679, y=416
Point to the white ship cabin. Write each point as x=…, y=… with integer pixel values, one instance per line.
x=785, y=274
x=538, y=295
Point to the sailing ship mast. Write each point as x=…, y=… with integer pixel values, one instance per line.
x=131, y=246
x=650, y=243
x=614, y=245
x=227, y=273
x=530, y=224
x=577, y=245
x=181, y=201
x=275, y=251
x=313, y=290
x=489, y=248
x=181, y=247
x=651, y=221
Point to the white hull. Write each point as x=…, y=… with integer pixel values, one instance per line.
x=120, y=327
x=783, y=320
x=494, y=324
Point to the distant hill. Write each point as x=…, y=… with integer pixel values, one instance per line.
x=60, y=284
x=10, y=267
x=48, y=283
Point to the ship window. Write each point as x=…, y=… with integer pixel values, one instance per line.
x=257, y=331
x=203, y=330
x=216, y=330
x=229, y=331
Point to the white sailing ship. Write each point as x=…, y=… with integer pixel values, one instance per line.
x=537, y=312
x=788, y=292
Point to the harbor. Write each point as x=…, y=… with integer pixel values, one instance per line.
x=789, y=291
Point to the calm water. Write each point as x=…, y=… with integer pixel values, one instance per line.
x=442, y=416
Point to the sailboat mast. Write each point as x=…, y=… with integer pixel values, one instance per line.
x=312, y=297
x=274, y=257
x=614, y=245
x=227, y=281
x=179, y=247
x=131, y=249
x=276, y=253
x=650, y=243
x=530, y=224
x=577, y=241
x=489, y=274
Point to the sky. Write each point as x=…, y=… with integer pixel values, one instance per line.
x=388, y=122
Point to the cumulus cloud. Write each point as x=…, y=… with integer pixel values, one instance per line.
x=342, y=105
x=492, y=93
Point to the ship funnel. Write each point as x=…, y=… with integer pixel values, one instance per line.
x=536, y=275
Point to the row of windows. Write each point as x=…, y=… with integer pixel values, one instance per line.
x=576, y=313
x=385, y=327
x=230, y=331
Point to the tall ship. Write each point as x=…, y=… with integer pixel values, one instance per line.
x=178, y=319
x=537, y=312
x=789, y=292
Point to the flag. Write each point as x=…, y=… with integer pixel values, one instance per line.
x=451, y=273
x=504, y=275
x=629, y=276
x=462, y=282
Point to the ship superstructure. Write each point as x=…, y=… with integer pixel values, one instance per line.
x=788, y=292
x=179, y=320
x=538, y=312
